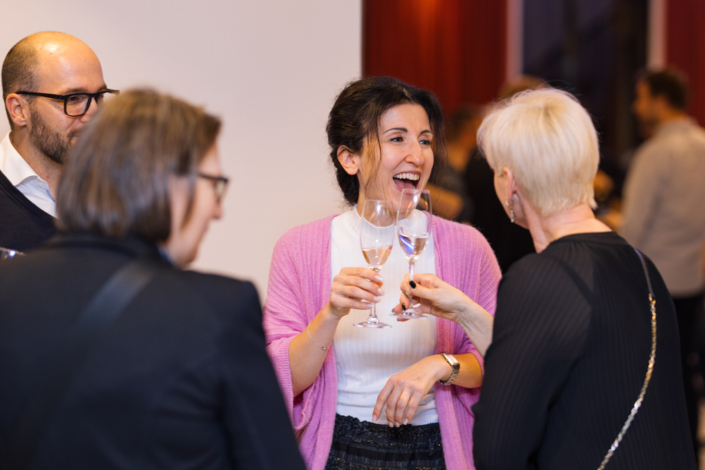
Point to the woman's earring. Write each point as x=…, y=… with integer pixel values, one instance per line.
x=512, y=218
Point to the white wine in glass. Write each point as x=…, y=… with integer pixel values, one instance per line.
x=413, y=230
x=376, y=241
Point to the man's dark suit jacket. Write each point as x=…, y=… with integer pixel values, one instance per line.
x=23, y=226
x=181, y=380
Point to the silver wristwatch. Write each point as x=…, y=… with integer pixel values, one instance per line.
x=455, y=365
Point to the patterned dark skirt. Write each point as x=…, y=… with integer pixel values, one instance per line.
x=361, y=445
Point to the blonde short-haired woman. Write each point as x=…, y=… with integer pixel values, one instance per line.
x=571, y=343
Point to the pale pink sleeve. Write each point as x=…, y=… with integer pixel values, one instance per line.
x=290, y=302
x=284, y=316
x=484, y=288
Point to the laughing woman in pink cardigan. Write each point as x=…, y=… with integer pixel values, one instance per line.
x=364, y=398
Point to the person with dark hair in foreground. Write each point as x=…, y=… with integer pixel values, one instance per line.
x=377, y=399
x=52, y=84
x=576, y=341
x=178, y=376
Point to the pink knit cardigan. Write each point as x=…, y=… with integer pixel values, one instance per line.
x=299, y=287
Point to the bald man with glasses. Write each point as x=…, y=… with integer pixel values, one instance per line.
x=52, y=84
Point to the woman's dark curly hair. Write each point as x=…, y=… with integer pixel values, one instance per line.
x=354, y=121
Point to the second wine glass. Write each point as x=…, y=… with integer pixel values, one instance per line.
x=376, y=241
x=414, y=230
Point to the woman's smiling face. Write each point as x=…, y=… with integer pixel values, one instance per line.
x=405, y=141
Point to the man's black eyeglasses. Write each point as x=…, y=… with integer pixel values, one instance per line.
x=76, y=104
x=220, y=183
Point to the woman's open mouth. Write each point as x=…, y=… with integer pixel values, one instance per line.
x=406, y=180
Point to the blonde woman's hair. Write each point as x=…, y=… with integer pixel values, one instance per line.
x=548, y=141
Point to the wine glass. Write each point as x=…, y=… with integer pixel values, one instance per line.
x=6, y=253
x=376, y=241
x=414, y=230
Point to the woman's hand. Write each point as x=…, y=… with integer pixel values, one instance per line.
x=442, y=300
x=308, y=349
x=350, y=287
x=437, y=298
x=403, y=391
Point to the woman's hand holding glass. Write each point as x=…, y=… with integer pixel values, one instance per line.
x=376, y=241
x=413, y=230
x=360, y=288
x=440, y=299
x=354, y=288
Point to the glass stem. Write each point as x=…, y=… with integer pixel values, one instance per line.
x=412, y=265
x=373, y=312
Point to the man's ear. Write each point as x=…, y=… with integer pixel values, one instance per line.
x=18, y=109
x=662, y=104
x=348, y=160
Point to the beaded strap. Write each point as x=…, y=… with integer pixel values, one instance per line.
x=649, y=370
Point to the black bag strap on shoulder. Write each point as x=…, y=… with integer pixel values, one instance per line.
x=649, y=369
x=96, y=319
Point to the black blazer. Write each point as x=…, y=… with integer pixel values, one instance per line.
x=181, y=380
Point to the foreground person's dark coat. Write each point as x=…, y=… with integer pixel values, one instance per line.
x=181, y=380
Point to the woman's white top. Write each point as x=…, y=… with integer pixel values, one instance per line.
x=367, y=357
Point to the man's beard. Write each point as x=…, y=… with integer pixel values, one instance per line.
x=52, y=144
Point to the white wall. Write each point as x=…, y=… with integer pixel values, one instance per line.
x=270, y=69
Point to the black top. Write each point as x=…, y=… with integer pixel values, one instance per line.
x=450, y=179
x=509, y=241
x=23, y=226
x=568, y=359
x=181, y=380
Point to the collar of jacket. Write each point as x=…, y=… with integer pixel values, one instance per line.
x=132, y=246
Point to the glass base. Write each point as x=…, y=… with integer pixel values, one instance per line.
x=369, y=323
x=410, y=314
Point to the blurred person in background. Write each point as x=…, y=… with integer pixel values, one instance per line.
x=52, y=84
x=570, y=351
x=178, y=377
x=364, y=398
x=662, y=208
x=449, y=194
x=509, y=241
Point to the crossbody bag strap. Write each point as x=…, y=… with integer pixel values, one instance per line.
x=95, y=320
x=649, y=370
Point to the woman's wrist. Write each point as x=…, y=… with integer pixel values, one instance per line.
x=464, y=320
x=454, y=367
x=442, y=368
x=331, y=314
x=470, y=318
x=478, y=328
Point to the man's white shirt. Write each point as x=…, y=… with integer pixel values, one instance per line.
x=23, y=177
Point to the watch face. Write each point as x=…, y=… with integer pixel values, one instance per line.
x=455, y=368
x=452, y=361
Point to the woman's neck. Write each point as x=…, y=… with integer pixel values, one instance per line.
x=579, y=219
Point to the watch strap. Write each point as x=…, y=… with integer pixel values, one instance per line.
x=455, y=366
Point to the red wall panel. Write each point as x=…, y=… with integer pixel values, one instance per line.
x=455, y=48
x=685, y=47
